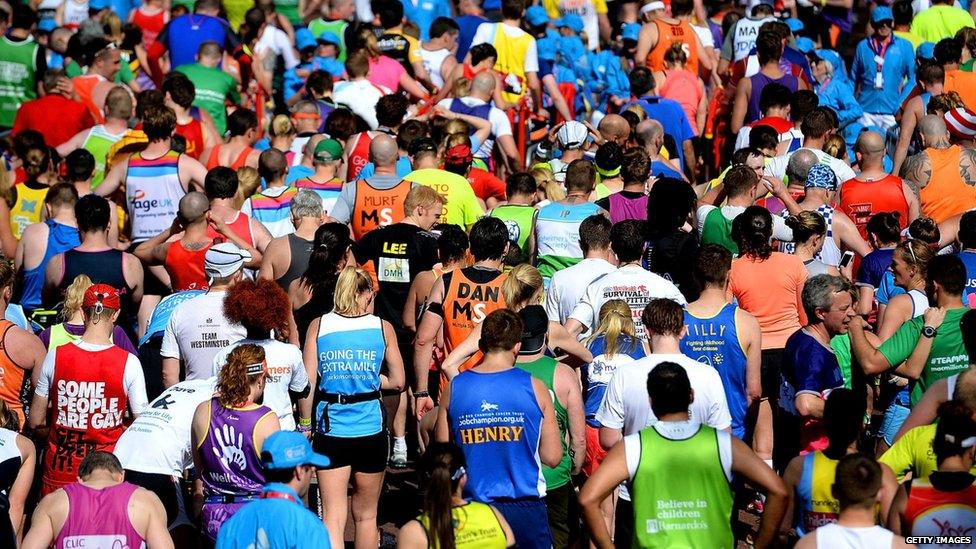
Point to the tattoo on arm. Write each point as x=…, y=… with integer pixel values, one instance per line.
x=967, y=166
x=917, y=170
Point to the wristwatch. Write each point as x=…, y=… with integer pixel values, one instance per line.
x=929, y=332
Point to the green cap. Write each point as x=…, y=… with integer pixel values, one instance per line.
x=327, y=150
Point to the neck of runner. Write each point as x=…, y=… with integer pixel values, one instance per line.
x=858, y=517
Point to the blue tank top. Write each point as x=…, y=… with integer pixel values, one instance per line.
x=187, y=32
x=497, y=421
x=597, y=374
x=60, y=238
x=350, y=354
x=715, y=341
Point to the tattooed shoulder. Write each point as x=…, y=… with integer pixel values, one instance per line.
x=917, y=169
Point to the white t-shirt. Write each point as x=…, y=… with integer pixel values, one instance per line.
x=677, y=430
x=626, y=405
x=286, y=371
x=500, y=125
x=568, y=285
x=133, y=379
x=704, y=36
x=630, y=283
x=276, y=42
x=361, y=97
x=486, y=34
x=197, y=331
x=777, y=166
x=158, y=441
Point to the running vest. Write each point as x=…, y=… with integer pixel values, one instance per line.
x=460, y=107
x=99, y=517
x=946, y=194
x=327, y=191
x=830, y=254
x=668, y=34
x=186, y=32
x=27, y=208
x=214, y=159
x=11, y=376
x=833, y=536
x=623, y=208
x=98, y=142
x=241, y=477
x=510, y=62
x=60, y=238
x=475, y=527
x=274, y=210
x=674, y=476
x=496, y=420
x=466, y=303
x=377, y=207
x=359, y=155
x=815, y=504
x=518, y=218
x=544, y=369
x=933, y=512
x=744, y=36
x=396, y=46
x=301, y=250
x=185, y=267
x=59, y=335
x=152, y=193
x=433, y=60
x=715, y=341
x=18, y=75
x=89, y=403
x=338, y=27
x=862, y=199
x=192, y=132
x=557, y=235
x=350, y=355
x=717, y=229
x=240, y=226
x=85, y=89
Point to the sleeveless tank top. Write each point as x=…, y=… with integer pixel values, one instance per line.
x=475, y=527
x=192, y=131
x=623, y=208
x=232, y=467
x=377, y=208
x=544, y=369
x=185, y=267
x=240, y=226
x=682, y=86
x=350, y=355
x=89, y=403
x=327, y=191
x=301, y=250
x=862, y=199
x=151, y=25
x=744, y=36
x=103, y=267
x=830, y=254
x=946, y=193
x=214, y=159
x=152, y=193
x=760, y=81
x=815, y=504
x=497, y=421
x=359, y=155
x=834, y=535
x=99, y=517
x=466, y=303
x=27, y=208
x=510, y=62
x=933, y=512
x=10, y=463
x=715, y=341
x=85, y=89
x=98, y=142
x=667, y=34
x=557, y=235
x=717, y=229
x=60, y=238
x=12, y=378
x=518, y=218
x=432, y=61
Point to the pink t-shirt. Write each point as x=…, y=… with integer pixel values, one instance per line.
x=385, y=71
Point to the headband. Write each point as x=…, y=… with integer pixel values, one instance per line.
x=257, y=368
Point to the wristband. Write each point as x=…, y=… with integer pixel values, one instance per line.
x=305, y=421
x=304, y=428
x=421, y=394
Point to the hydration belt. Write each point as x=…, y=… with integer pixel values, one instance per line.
x=227, y=499
x=339, y=398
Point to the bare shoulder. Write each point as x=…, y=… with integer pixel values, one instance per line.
x=967, y=166
x=917, y=169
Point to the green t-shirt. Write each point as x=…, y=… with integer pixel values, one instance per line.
x=948, y=355
x=124, y=76
x=462, y=208
x=717, y=229
x=289, y=8
x=842, y=350
x=213, y=86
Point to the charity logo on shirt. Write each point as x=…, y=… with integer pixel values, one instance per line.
x=491, y=424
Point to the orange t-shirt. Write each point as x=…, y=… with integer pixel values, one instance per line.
x=963, y=83
x=946, y=193
x=772, y=290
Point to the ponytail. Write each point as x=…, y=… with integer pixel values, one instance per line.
x=443, y=468
x=615, y=321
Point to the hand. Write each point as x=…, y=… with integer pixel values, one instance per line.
x=217, y=223
x=597, y=137
x=422, y=406
x=228, y=449
x=552, y=133
x=177, y=226
x=934, y=316
x=438, y=110
x=774, y=185
x=848, y=271
x=65, y=87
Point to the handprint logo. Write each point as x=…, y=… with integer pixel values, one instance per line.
x=229, y=447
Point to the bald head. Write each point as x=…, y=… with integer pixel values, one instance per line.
x=966, y=387
x=483, y=85
x=194, y=206
x=871, y=148
x=932, y=128
x=799, y=166
x=614, y=128
x=383, y=151
x=649, y=133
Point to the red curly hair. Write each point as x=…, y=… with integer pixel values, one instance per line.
x=258, y=306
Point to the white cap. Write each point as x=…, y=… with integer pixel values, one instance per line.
x=224, y=259
x=572, y=135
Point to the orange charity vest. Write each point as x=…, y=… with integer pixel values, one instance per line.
x=667, y=34
x=11, y=376
x=946, y=193
x=377, y=207
x=466, y=303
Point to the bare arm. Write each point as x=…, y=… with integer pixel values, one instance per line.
x=113, y=179
x=870, y=359
x=908, y=123
x=791, y=477
x=740, y=104
x=848, y=234
x=566, y=384
x=154, y=250
x=915, y=364
x=157, y=535
x=914, y=208
x=809, y=406
x=752, y=336
x=917, y=170
x=550, y=447
x=22, y=484
x=461, y=353
x=171, y=371
x=442, y=429
x=746, y=463
x=393, y=360
x=601, y=484
x=646, y=40
x=42, y=532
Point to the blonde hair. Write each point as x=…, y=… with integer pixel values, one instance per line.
x=233, y=383
x=836, y=147
x=370, y=45
x=281, y=125
x=248, y=181
x=638, y=110
x=462, y=87
x=422, y=196
x=545, y=180
x=615, y=320
x=112, y=26
x=74, y=295
x=351, y=283
x=521, y=286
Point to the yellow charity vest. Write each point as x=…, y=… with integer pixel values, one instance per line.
x=27, y=208
x=511, y=62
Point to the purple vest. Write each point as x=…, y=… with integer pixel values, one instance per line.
x=759, y=81
x=98, y=518
x=481, y=111
x=231, y=463
x=623, y=208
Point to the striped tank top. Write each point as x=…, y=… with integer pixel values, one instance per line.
x=152, y=193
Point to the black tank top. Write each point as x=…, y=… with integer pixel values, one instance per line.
x=301, y=250
x=104, y=267
x=322, y=302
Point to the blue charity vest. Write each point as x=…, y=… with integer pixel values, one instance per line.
x=60, y=238
x=162, y=312
x=496, y=420
x=715, y=341
x=350, y=354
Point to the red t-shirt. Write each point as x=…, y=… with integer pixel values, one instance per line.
x=486, y=185
x=55, y=116
x=781, y=125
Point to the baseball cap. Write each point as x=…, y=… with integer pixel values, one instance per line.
x=925, y=50
x=99, y=4
x=421, y=144
x=821, y=177
x=329, y=37
x=805, y=45
x=224, y=259
x=536, y=15
x=304, y=39
x=458, y=154
x=288, y=449
x=571, y=20
x=794, y=24
x=546, y=49
x=535, y=326
x=327, y=150
x=961, y=123
x=631, y=31
x=101, y=296
x=572, y=135
x=881, y=13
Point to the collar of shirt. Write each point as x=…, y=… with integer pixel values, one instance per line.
x=282, y=489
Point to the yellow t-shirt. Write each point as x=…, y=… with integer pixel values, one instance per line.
x=915, y=40
x=913, y=452
x=462, y=207
x=940, y=22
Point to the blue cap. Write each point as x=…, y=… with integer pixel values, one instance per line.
x=805, y=44
x=631, y=31
x=881, y=13
x=794, y=24
x=925, y=50
x=329, y=37
x=304, y=39
x=571, y=20
x=536, y=15
x=287, y=449
x=820, y=177
x=831, y=55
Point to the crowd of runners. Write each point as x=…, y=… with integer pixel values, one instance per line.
x=600, y=273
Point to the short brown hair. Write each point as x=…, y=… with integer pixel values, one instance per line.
x=580, y=176
x=423, y=196
x=158, y=122
x=357, y=64
x=663, y=317
x=636, y=166
x=6, y=273
x=739, y=180
x=105, y=461
x=857, y=481
x=714, y=263
x=500, y=331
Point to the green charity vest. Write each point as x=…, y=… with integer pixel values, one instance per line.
x=717, y=229
x=17, y=77
x=544, y=369
x=518, y=218
x=680, y=493
x=99, y=142
x=318, y=26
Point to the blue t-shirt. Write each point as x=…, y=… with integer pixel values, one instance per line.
x=808, y=367
x=663, y=169
x=597, y=374
x=402, y=169
x=968, y=258
x=298, y=172
x=423, y=14
x=274, y=522
x=874, y=266
x=468, y=24
x=671, y=116
x=897, y=69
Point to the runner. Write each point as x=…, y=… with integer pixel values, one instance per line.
x=99, y=139
x=568, y=285
x=73, y=326
x=41, y=241
x=183, y=258
x=326, y=158
x=238, y=150
x=286, y=257
x=558, y=222
x=17, y=459
x=270, y=205
x=519, y=213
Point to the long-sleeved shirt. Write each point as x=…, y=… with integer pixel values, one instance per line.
x=897, y=69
